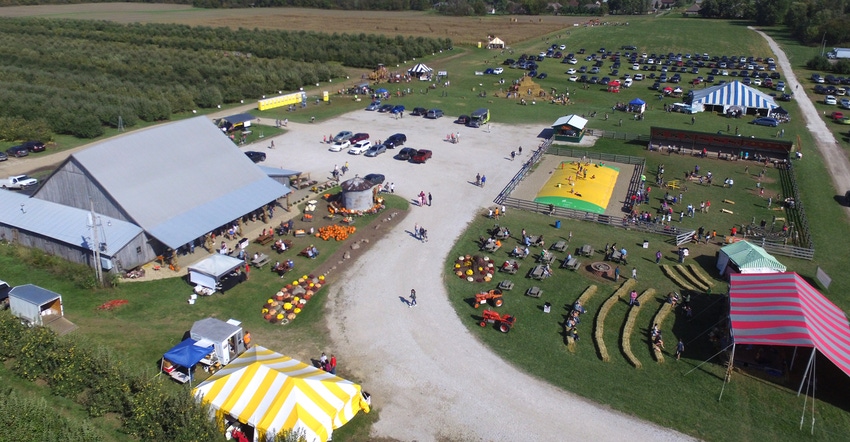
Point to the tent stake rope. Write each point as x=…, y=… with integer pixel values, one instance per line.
x=728, y=372
x=710, y=358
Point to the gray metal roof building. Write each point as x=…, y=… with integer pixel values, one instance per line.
x=176, y=181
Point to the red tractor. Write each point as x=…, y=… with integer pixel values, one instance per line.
x=505, y=321
x=493, y=296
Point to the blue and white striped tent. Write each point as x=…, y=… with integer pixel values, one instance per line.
x=733, y=94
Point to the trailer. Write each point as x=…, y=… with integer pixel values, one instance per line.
x=837, y=53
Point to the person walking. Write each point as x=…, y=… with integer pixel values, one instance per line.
x=430, y=199
x=513, y=155
x=633, y=298
x=332, y=364
x=634, y=273
x=478, y=179
x=412, y=302
x=680, y=348
x=483, y=180
x=416, y=230
x=520, y=150
x=617, y=274
x=658, y=257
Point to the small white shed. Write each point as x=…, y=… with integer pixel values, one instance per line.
x=38, y=306
x=226, y=337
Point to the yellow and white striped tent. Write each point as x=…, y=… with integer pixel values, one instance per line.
x=272, y=392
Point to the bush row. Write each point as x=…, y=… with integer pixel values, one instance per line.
x=821, y=63
x=77, y=77
x=25, y=418
x=97, y=378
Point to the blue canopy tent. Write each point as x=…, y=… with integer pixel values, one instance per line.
x=637, y=106
x=187, y=354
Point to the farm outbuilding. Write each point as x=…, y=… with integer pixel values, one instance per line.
x=69, y=232
x=38, y=306
x=358, y=194
x=167, y=180
x=569, y=128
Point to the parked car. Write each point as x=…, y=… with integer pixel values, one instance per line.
x=829, y=99
x=358, y=137
x=385, y=108
x=376, y=150
x=255, y=156
x=339, y=146
x=571, y=71
x=18, y=182
x=419, y=112
x=376, y=178
x=837, y=115
x=434, y=114
x=542, y=76
x=360, y=147
x=34, y=146
x=573, y=78
x=498, y=71
x=17, y=151
x=342, y=136
x=395, y=140
x=463, y=119
x=405, y=154
x=373, y=106
x=845, y=103
x=421, y=156
x=3, y=156
x=766, y=121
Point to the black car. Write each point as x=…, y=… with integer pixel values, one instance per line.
x=463, y=119
x=3, y=156
x=395, y=140
x=34, y=146
x=542, y=76
x=419, y=112
x=405, y=154
x=17, y=151
x=385, y=108
x=376, y=178
x=255, y=156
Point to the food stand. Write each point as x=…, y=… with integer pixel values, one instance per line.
x=227, y=338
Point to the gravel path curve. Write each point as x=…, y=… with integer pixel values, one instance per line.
x=832, y=152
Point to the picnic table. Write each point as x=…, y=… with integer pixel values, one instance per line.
x=519, y=255
x=534, y=292
x=571, y=264
x=533, y=239
x=261, y=260
x=510, y=266
x=545, y=258
x=560, y=246
x=538, y=272
x=502, y=233
x=491, y=247
x=587, y=250
x=616, y=256
x=265, y=239
x=506, y=285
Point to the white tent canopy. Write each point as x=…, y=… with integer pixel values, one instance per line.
x=208, y=271
x=420, y=69
x=731, y=94
x=574, y=121
x=745, y=257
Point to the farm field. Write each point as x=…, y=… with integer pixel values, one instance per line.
x=681, y=399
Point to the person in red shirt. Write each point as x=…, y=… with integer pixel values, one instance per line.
x=332, y=365
x=734, y=231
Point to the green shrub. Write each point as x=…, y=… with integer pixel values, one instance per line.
x=27, y=419
x=819, y=63
x=36, y=354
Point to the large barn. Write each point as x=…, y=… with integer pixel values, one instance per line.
x=176, y=182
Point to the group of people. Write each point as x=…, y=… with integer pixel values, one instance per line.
x=282, y=267
x=328, y=365
x=480, y=180
x=420, y=233
x=574, y=319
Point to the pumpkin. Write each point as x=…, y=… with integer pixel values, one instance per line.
x=296, y=311
x=267, y=316
x=295, y=300
x=265, y=310
x=321, y=277
x=269, y=301
x=470, y=279
x=280, y=316
x=307, y=297
x=287, y=306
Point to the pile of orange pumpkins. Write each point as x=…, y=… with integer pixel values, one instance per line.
x=335, y=231
x=285, y=305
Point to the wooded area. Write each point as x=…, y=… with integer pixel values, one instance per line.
x=78, y=76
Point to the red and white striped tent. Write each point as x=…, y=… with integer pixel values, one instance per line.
x=783, y=309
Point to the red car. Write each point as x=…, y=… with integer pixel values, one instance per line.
x=837, y=116
x=421, y=156
x=358, y=137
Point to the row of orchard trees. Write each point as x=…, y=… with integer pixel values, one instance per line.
x=79, y=76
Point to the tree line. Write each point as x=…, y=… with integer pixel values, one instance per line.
x=78, y=77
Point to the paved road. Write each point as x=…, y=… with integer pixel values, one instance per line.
x=832, y=152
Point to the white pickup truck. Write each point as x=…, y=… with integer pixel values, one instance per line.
x=18, y=182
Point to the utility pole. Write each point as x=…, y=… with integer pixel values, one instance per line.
x=823, y=44
x=94, y=223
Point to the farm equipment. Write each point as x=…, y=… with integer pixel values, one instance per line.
x=505, y=321
x=493, y=296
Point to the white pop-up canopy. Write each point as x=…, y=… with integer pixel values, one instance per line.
x=208, y=271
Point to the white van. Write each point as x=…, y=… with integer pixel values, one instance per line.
x=627, y=82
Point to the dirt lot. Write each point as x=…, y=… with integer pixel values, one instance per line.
x=461, y=30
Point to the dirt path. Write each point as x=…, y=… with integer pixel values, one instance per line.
x=833, y=155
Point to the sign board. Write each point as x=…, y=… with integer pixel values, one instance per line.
x=282, y=100
x=823, y=278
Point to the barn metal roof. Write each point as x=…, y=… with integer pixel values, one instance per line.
x=180, y=180
x=63, y=223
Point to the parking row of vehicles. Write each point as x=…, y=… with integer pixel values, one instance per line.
x=359, y=144
x=22, y=150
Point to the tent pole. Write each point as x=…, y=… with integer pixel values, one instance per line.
x=814, y=387
x=806, y=373
x=728, y=372
x=793, y=357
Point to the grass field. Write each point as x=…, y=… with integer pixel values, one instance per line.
x=668, y=394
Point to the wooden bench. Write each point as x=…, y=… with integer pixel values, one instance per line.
x=534, y=292
x=265, y=239
x=260, y=260
x=491, y=247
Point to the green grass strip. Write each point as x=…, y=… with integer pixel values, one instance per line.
x=599, y=329
x=625, y=338
x=698, y=273
x=675, y=277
